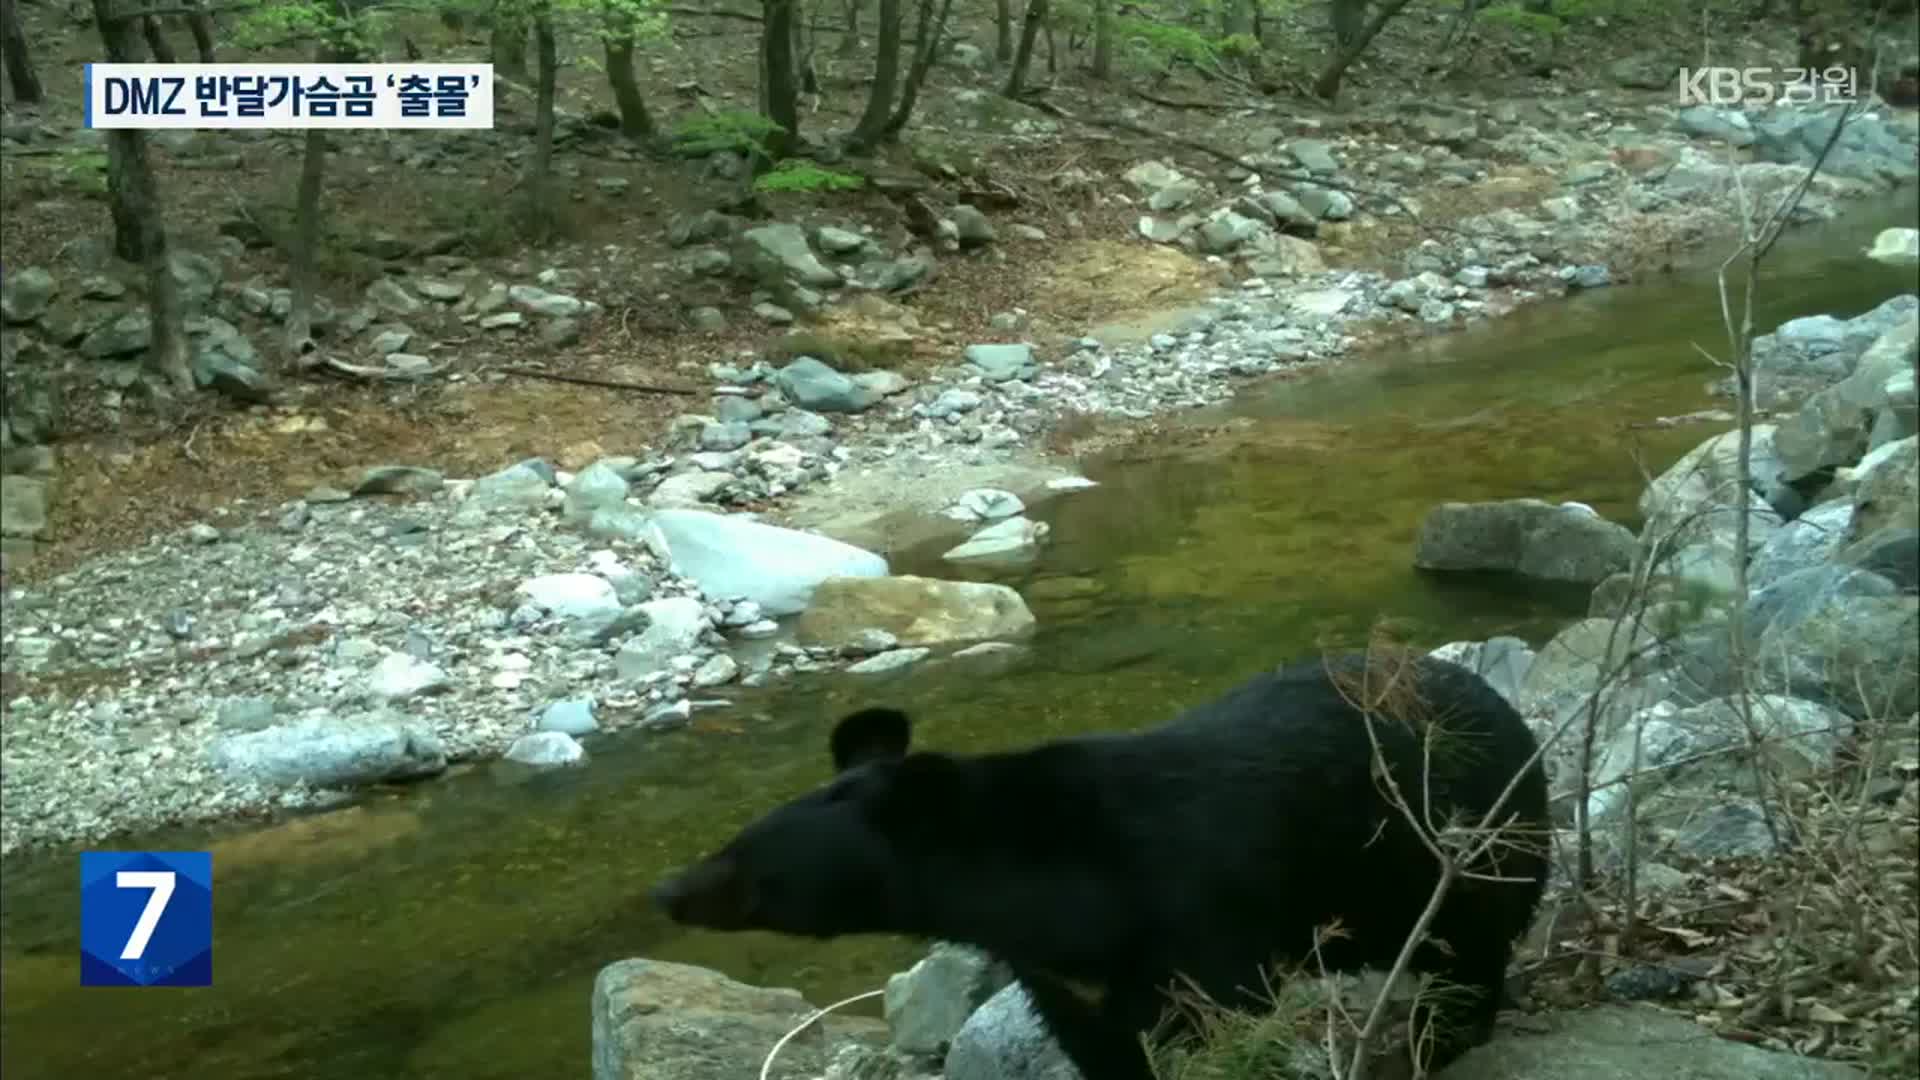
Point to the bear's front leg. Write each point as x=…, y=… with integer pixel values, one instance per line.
x=1098, y=1027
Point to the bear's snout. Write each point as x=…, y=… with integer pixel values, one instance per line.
x=709, y=895
x=666, y=896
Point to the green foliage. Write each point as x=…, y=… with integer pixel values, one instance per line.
x=797, y=175
x=737, y=130
x=1239, y=46
x=1514, y=17
x=80, y=168
x=357, y=33
x=637, y=20
x=1161, y=44
x=1165, y=43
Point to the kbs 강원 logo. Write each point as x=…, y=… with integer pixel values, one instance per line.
x=146, y=918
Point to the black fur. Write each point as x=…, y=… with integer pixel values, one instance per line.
x=1211, y=847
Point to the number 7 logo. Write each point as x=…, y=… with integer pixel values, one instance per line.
x=146, y=918
x=161, y=882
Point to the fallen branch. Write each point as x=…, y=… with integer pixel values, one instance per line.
x=1234, y=159
x=187, y=448
x=1222, y=106
x=373, y=374
x=607, y=384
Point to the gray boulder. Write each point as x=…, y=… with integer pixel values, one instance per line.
x=545, y=750
x=1814, y=538
x=517, y=487
x=1696, y=497
x=1525, y=536
x=1633, y=1042
x=654, y=1020
x=1868, y=148
x=331, y=752
x=1886, y=489
x=813, y=385
x=1005, y=1040
x=999, y=363
x=1805, y=355
x=26, y=293
x=1501, y=661
x=1833, y=426
x=672, y=627
x=777, y=254
x=915, y=610
x=929, y=1003
x=1892, y=553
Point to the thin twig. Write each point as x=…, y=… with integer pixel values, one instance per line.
x=187, y=447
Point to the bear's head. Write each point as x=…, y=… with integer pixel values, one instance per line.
x=831, y=861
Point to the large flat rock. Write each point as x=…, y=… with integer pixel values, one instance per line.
x=654, y=1020
x=1628, y=1042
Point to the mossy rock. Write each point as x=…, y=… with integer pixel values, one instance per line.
x=843, y=351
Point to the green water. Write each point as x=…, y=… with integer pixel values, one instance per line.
x=455, y=930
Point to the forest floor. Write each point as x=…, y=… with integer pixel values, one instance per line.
x=147, y=465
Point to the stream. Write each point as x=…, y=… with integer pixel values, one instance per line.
x=454, y=929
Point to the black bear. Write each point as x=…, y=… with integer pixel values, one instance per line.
x=1105, y=869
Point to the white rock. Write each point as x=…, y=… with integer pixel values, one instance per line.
x=1014, y=539
x=891, y=660
x=401, y=676
x=546, y=749
x=1896, y=247
x=572, y=596
x=774, y=567
x=985, y=504
x=674, y=625
x=717, y=669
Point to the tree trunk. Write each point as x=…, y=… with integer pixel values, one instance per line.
x=1349, y=17
x=850, y=38
x=779, y=92
x=1102, y=39
x=509, y=47
x=924, y=55
x=306, y=246
x=1003, y=30
x=886, y=74
x=540, y=176
x=157, y=42
x=135, y=198
x=635, y=121
x=1236, y=17
x=1327, y=86
x=306, y=212
x=803, y=49
x=1029, y=31
x=24, y=81
x=200, y=25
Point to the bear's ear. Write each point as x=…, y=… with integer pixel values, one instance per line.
x=869, y=735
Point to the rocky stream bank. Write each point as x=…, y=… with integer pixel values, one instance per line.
x=379, y=629
x=1832, y=682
